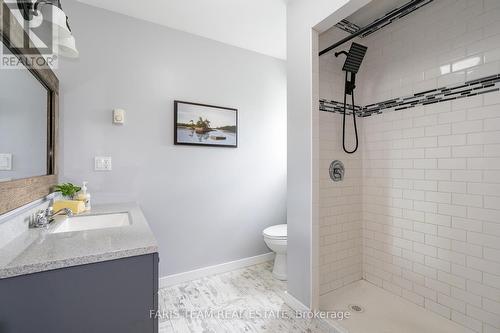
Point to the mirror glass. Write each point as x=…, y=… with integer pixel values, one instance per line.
x=23, y=125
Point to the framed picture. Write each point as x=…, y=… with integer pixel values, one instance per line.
x=205, y=125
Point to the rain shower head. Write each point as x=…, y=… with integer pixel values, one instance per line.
x=354, y=58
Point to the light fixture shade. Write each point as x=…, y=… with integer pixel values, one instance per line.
x=54, y=14
x=67, y=47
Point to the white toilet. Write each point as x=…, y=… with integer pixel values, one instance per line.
x=275, y=238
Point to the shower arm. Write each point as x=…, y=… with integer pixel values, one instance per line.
x=341, y=52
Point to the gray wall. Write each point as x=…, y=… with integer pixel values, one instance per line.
x=205, y=205
x=23, y=124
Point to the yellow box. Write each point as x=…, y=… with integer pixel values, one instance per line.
x=76, y=206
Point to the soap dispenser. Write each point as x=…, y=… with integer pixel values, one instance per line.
x=85, y=196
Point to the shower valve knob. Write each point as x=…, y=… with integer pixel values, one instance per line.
x=337, y=171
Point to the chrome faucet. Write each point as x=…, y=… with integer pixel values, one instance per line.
x=46, y=216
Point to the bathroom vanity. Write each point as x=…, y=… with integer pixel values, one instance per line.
x=96, y=272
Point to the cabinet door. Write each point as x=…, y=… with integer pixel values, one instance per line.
x=110, y=296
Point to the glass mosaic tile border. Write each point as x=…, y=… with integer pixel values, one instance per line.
x=471, y=88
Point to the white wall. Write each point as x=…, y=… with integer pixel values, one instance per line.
x=430, y=174
x=205, y=205
x=302, y=82
x=256, y=25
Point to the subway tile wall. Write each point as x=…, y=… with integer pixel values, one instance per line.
x=431, y=213
x=442, y=44
x=340, y=210
x=429, y=176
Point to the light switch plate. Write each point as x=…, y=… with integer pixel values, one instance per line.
x=118, y=116
x=102, y=163
x=5, y=162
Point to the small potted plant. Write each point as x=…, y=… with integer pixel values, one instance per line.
x=68, y=190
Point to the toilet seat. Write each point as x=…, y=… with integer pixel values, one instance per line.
x=276, y=232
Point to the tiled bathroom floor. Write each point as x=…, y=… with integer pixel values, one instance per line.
x=251, y=290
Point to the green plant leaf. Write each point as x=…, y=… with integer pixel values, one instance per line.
x=67, y=189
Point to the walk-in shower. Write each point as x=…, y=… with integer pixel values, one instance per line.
x=411, y=233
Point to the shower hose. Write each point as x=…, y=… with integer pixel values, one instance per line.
x=353, y=118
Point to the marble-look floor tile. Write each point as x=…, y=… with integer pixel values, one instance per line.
x=245, y=300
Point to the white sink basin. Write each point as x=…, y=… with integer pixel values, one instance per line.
x=92, y=222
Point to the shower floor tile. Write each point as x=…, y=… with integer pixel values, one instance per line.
x=384, y=312
x=252, y=291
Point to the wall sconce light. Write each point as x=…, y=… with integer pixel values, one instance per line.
x=52, y=12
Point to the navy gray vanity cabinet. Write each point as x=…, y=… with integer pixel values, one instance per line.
x=103, y=297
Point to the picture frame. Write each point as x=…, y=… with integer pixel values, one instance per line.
x=199, y=124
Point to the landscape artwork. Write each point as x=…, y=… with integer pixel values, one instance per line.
x=205, y=125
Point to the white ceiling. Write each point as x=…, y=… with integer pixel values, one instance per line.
x=257, y=25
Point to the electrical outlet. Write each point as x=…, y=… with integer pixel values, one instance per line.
x=102, y=163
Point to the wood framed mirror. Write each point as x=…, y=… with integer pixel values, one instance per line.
x=30, y=121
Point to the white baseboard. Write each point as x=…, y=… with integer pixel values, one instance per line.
x=174, y=279
x=294, y=303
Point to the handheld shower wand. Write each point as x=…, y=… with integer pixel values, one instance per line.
x=351, y=66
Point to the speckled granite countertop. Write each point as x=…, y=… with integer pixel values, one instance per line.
x=38, y=250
